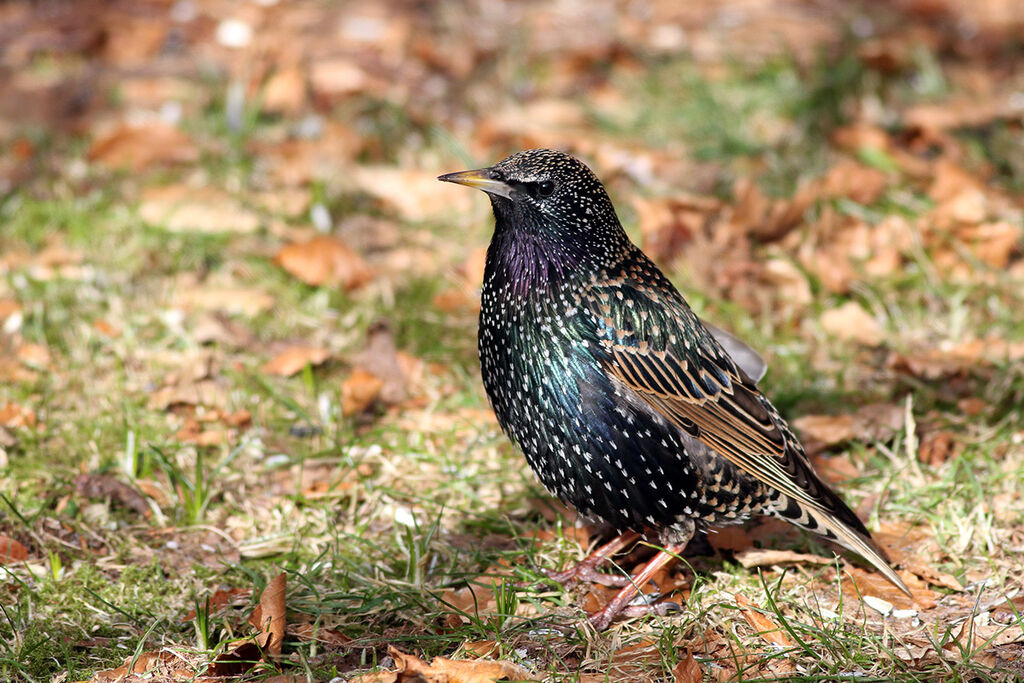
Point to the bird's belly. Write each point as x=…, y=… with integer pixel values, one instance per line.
x=599, y=453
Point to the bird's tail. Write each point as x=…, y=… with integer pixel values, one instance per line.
x=851, y=534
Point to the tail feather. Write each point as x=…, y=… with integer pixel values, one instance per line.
x=832, y=527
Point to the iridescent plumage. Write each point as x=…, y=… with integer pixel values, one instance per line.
x=624, y=403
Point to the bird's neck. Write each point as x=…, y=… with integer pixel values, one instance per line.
x=526, y=262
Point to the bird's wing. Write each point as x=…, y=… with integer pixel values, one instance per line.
x=749, y=360
x=656, y=347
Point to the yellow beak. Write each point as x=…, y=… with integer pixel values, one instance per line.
x=480, y=179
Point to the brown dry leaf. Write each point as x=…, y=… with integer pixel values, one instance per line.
x=766, y=628
x=269, y=615
x=331, y=80
x=219, y=600
x=455, y=300
x=197, y=382
x=851, y=322
x=381, y=359
x=193, y=432
x=11, y=551
x=240, y=658
x=144, y=662
x=789, y=283
x=359, y=391
x=940, y=363
x=376, y=677
x=179, y=208
x=687, y=670
x=13, y=371
x=992, y=243
x=828, y=429
x=668, y=224
x=293, y=359
x=915, y=549
x=109, y=486
x=858, y=582
x=938, y=447
x=306, y=632
x=757, y=557
x=139, y=146
x=285, y=92
x=35, y=356
x=14, y=415
x=860, y=136
x=247, y=301
x=205, y=392
x=416, y=195
x=873, y=422
x=325, y=261
x=855, y=181
x=106, y=328
x=481, y=648
x=442, y=670
x=834, y=470
x=8, y=307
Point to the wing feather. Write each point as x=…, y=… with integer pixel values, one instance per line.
x=660, y=351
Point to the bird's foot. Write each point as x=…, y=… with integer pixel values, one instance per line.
x=587, y=571
x=603, y=618
x=623, y=603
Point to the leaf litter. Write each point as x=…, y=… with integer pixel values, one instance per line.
x=347, y=102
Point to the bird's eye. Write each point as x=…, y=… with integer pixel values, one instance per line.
x=545, y=188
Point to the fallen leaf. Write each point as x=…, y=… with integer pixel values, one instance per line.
x=178, y=208
x=247, y=301
x=239, y=659
x=667, y=225
x=414, y=194
x=325, y=261
x=140, y=664
x=359, y=391
x=853, y=180
x=938, y=447
x=8, y=307
x=11, y=551
x=757, y=557
x=828, y=429
x=307, y=632
x=139, y=146
x=858, y=582
x=381, y=359
x=293, y=359
x=765, y=627
x=285, y=92
x=106, y=328
x=193, y=432
x=442, y=670
x=269, y=615
x=687, y=670
x=218, y=600
x=853, y=323
x=336, y=78
x=109, y=486
x=873, y=422
x=13, y=415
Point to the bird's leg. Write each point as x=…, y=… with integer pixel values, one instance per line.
x=587, y=569
x=602, y=618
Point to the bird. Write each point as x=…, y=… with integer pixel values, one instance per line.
x=626, y=405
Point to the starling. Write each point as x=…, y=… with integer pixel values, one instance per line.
x=625, y=404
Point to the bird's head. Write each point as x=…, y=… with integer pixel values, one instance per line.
x=546, y=193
